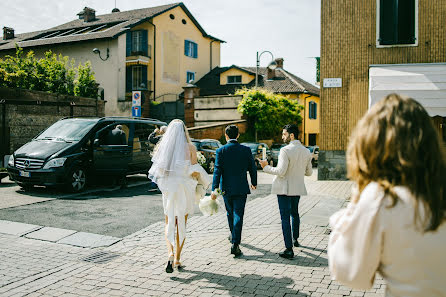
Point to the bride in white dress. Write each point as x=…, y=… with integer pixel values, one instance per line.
x=175, y=171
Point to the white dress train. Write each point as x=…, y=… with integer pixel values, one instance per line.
x=179, y=198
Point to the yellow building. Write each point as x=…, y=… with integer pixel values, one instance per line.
x=159, y=49
x=372, y=48
x=226, y=80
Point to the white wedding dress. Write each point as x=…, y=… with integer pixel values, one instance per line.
x=171, y=171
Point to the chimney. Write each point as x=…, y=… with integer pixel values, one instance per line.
x=87, y=14
x=270, y=74
x=8, y=33
x=279, y=62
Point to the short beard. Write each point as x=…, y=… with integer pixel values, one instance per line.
x=288, y=140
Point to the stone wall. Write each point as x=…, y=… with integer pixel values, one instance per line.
x=25, y=113
x=332, y=165
x=216, y=131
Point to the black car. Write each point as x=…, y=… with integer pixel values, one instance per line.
x=73, y=150
x=207, y=147
x=275, y=150
x=257, y=152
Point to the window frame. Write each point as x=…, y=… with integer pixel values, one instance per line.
x=233, y=83
x=190, y=49
x=378, y=15
x=187, y=74
x=139, y=41
x=134, y=68
x=312, y=110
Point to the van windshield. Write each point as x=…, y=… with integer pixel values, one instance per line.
x=68, y=130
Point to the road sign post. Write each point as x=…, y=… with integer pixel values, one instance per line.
x=136, y=104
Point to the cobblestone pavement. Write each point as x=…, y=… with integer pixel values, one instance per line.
x=136, y=267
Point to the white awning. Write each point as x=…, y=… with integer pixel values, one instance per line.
x=426, y=83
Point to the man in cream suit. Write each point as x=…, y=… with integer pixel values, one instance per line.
x=288, y=184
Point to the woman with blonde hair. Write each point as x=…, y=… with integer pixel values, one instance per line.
x=395, y=222
x=175, y=171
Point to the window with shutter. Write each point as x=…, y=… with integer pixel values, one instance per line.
x=397, y=22
x=312, y=110
x=190, y=49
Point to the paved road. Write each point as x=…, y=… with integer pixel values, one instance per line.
x=105, y=210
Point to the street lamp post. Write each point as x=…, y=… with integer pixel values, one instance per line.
x=272, y=65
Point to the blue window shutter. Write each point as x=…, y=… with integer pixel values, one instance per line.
x=128, y=79
x=186, y=47
x=315, y=110
x=128, y=44
x=195, y=50
x=144, y=75
x=144, y=42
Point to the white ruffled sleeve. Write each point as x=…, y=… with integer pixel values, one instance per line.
x=355, y=243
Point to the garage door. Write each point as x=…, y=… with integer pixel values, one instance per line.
x=424, y=82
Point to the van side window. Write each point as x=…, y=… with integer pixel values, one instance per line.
x=114, y=135
x=141, y=137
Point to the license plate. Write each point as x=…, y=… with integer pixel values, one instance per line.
x=24, y=173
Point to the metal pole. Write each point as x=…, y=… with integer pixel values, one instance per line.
x=257, y=69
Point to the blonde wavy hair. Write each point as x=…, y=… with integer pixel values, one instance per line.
x=396, y=144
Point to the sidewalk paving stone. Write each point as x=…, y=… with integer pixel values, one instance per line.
x=18, y=229
x=209, y=269
x=50, y=234
x=89, y=240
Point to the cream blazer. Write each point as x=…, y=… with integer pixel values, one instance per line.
x=294, y=163
x=369, y=237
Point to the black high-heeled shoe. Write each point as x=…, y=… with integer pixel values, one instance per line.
x=169, y=267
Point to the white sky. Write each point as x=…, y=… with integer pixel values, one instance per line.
x=288, y=28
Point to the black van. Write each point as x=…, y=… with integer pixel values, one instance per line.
x=73, y=150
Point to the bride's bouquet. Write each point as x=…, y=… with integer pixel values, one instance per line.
x=208, y=206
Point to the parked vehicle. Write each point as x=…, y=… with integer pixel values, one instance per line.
x=207, y=147
x=73, y=150
x=257, y=152
x=314, y=150
x=275, y=149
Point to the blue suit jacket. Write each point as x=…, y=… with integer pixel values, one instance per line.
x=232, y=161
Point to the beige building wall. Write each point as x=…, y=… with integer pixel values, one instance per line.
x=246, y=78
x=216, y=109
x=172, y=64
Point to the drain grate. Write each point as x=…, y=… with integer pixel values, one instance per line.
x=100, y=257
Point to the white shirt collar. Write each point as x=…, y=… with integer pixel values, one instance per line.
x=295, y=142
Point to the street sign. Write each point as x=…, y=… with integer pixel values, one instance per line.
x=136, y=111
x=332, y=82
x=136, y=98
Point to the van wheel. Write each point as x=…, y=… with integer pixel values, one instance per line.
x=211, y=166
x=77, y=180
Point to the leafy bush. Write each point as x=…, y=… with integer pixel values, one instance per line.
x=268, y=112
x=54, y=74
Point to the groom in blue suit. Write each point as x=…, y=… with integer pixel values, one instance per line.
x=232, y=161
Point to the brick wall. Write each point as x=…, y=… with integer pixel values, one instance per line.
x=216, y=131
x=25, y=113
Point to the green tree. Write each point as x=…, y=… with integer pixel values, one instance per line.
x=267, y=112
x=55, y=74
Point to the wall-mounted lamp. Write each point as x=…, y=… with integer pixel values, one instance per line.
x=98, y=51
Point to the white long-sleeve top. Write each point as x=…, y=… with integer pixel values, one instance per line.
x=369, y=237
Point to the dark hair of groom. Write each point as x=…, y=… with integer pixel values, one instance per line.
x=232, y=131
x=292, y=129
